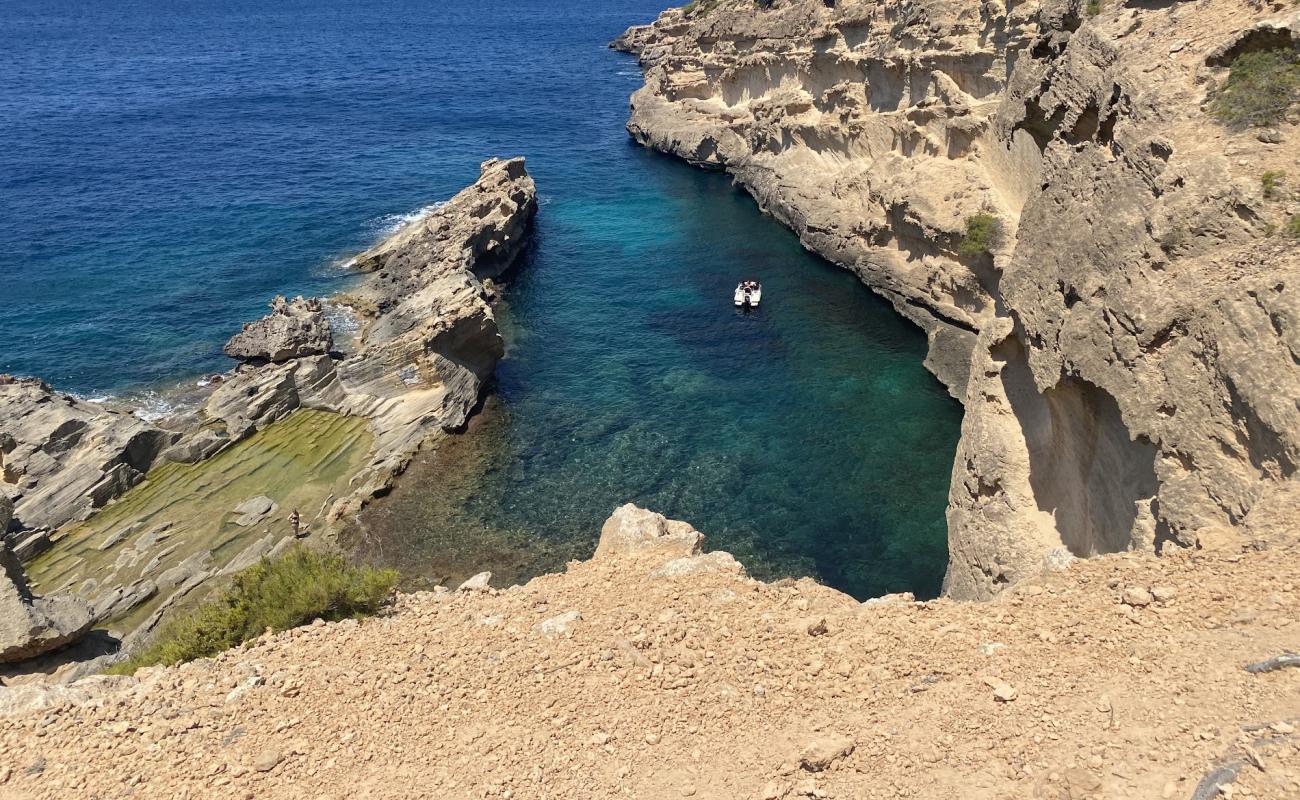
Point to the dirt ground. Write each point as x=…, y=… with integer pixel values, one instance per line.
x=1119, y=677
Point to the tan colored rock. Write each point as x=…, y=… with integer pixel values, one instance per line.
x=1125, y=350
x=294, y=329
x=823, y=751
x=633, y=530
x=477, y=583
x=562, y=625
x=1137, y=597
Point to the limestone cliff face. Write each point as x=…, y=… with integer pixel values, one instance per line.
x=1127, y=349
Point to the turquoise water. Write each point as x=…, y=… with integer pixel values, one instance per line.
x=169, y=168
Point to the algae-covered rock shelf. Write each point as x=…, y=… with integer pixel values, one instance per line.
x=162, y=541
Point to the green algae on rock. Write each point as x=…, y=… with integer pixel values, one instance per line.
x=156, y=545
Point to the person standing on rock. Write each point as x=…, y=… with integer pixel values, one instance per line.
x=295, y=519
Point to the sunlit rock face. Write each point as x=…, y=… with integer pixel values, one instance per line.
x=1125, y=346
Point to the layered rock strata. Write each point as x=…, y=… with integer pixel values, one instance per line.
x=1127, y=349
x=61, y=458
x=428, y=342
x=30, y=625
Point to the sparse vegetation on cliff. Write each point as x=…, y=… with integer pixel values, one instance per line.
x=300, y=586
x=982, y=232
x=1260, y=90
x=1292, y=227
x=1271, y=181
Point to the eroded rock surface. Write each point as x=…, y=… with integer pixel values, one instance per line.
x=61, y=458
x=29, y=625
x=427, y=343
x=428, y=339
x=1127, y=349
x=294, y=329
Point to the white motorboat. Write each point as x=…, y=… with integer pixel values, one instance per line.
x=748, y=294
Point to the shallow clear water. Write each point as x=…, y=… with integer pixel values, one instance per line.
x=167, y=169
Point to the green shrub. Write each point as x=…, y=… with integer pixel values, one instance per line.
x=982, y=232
x=292, y=590
x=1093, y=7
x=1292, y=227
x=1271, y=180
x=1260, y=90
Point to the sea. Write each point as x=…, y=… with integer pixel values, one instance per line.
x=167, y=167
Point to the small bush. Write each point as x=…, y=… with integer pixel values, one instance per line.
x=1093, y=7
x=1260, y=90
x=982, y=232
x=1292, y=227
x=300, y=586
x=1271, y=181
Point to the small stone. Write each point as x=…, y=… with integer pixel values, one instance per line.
x=820, y=753
x=652, y=738
x=1137, y=597
x=1270, y=136
x=267, y=760
x=559, y=626
x=478, y=583
x=774, y=790
x=599, y=738
x=1003, y=692
x=1163, y=594
x=817, y=627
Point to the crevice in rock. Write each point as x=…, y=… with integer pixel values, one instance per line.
x=1085, y=469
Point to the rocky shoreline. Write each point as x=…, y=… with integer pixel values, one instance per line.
x=1124, y=345
x=428, y=343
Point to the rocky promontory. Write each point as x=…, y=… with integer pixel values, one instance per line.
x=428, y=341
x=1102, y=265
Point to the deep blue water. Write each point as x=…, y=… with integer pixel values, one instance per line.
x=167, y=167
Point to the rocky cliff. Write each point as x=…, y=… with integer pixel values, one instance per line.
x=1041, y=187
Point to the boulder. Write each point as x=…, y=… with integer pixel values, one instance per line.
x=30, y=625
x=294, y=329
x=635, y=530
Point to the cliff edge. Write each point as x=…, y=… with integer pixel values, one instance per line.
x=1098, y=262
x=656, y=671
